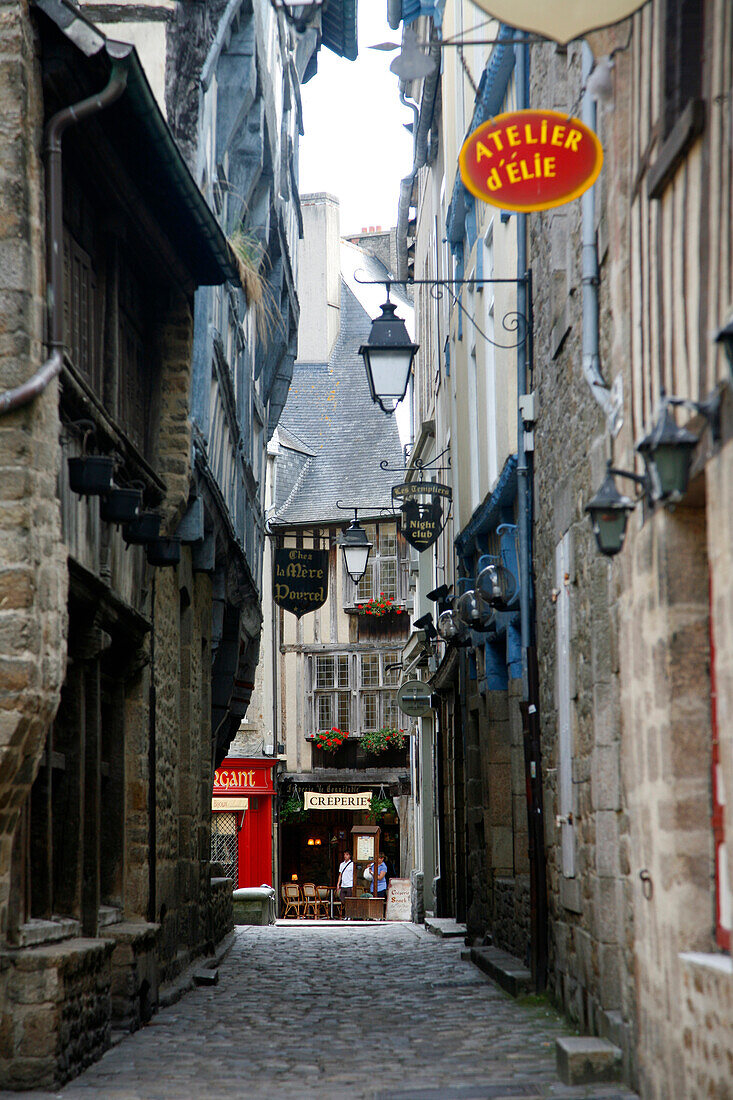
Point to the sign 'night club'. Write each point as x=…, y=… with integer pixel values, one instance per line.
x=422, y=511
x=300, y=580
x=530, y=160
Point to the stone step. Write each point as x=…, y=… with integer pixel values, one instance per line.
x=445, y=927
x=508, y=972
x=585, y=1060
x=206, y=976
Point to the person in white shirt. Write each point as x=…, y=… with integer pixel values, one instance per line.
x=346, y=877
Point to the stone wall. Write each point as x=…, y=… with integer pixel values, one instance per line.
x=32, y=560
x=221, y=909
x=56, y=1012
x=591, y=913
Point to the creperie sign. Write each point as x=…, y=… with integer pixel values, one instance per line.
x=530, y=160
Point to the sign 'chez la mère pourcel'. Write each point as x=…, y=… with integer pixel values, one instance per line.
x=300, y=579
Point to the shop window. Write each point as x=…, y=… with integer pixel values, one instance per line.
x=224, y=842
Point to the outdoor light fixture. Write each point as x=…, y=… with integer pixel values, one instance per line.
x=311, y=841
x=497, y=586
x=471, y=610
x=609, y=514
x=388, y=356
x=355, y=547
x=667, y=453
x=450, y=628
x=425, y=623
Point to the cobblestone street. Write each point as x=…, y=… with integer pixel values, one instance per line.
x=383, y=1012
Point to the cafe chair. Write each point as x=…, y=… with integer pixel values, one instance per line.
x=324, y=900
x=293, y=899
x=311, y=903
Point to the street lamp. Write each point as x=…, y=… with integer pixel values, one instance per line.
x=355, y=547
x=667, y=453
x=472, y=612
x=388, y=356
x=609, y=514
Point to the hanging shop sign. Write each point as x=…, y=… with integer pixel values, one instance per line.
x=560, y=20
x=530, y=160
x=316, y=800
x=413, y=698
x=421, y=504
x=300, y=580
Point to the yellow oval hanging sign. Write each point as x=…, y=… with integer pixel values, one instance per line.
x=530, y=160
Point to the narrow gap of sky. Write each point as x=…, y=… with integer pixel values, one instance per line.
x=355, y=145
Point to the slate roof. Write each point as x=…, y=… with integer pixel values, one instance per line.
x=330, y=411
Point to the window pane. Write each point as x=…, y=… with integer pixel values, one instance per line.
x=370, y=670
x=324, y=712
x=324, y=672
x=344, y=710
x=369, y=711
x=343, y=670
x=388, y=541
x=365, y=591
x=391, y=675
x=392, y=714
x=388, y=578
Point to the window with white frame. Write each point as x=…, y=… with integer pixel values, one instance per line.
x=331, y=691
x=382, y=576
x=376, y=682
x=379, y=679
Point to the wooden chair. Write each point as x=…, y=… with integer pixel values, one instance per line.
x=311, y=903
x=293, y=899
x=324, y=900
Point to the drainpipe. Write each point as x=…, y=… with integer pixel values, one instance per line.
x=68, y=116
x=590, y=277
x=423, y=122
x=523, y=487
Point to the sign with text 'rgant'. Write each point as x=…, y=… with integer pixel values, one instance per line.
x=530, y=160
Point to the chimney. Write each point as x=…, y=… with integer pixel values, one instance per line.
x=319, y=278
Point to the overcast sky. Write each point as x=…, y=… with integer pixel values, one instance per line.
x=355, y=145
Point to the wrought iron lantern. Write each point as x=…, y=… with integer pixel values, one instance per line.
x=667, y=453
x=355, y=547
x=388, y=356
x=609, y=514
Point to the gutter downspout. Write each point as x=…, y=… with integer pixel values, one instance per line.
x=523, y=488
x=590, y=278
x=68, y=116
x=423, y=122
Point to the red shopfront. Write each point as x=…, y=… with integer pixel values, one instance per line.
x=241, y=820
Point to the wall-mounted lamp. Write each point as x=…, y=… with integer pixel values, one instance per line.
x=452, y=630
x=472, y=612
x=667, y=453
x=609, y=513
x=426, y=624
x=388, y=356
x=497, y=587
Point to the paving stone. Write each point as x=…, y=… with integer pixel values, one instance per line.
x=304, y=1012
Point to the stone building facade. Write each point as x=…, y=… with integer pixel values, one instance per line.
x=126, y=662
x=634, y=650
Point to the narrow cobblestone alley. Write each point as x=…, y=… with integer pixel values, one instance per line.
x=383, y=1012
